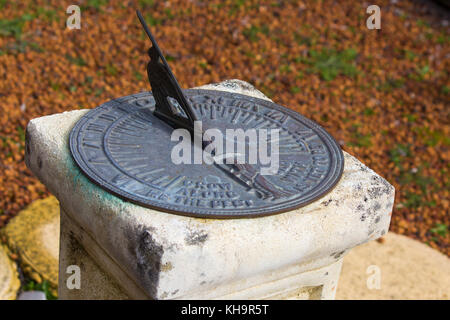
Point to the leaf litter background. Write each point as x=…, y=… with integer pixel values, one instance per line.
x=383, y=94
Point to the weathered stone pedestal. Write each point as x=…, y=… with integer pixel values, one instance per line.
x=124, y=251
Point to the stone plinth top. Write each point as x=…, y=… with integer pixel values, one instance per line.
x=171, y=256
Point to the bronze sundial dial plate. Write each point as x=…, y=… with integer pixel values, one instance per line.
x=123, y=147
x=126, y=147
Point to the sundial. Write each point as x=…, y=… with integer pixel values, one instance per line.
x=126, y=146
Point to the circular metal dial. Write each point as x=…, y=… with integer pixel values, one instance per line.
x=125, y=149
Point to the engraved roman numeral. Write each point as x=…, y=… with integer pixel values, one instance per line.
x=263, y=124
x=213, y=112
x=236, y=116
x=306, y=134
x=278, y=116
x=250, y=117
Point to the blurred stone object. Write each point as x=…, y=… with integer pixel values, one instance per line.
x=408, y=269
x=34, y=236
x=32, y=295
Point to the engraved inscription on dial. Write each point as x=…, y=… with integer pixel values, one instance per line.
x=125, y=149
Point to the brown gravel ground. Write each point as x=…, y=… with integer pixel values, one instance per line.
x=384, y=94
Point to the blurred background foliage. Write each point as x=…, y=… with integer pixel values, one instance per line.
x=383, y=94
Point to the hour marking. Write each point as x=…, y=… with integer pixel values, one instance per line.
x=200, y=107
x=128, y=132
x=236, y=115
x=130, y=125
x=223, y=112
x=123, y=144
x=89, y=145
x=99, y=160
x=262, y=124
x=145, y=174
x=249, y=118
x=306, y=134
x=160, y=180
x=138, y=119
x=125, y=160
x=277, y=116
x=132, y=167
x=120, y=180
x=107, y=117
x=174, y=182
x=96, y=127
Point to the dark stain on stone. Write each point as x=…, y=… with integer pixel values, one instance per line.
x=338, y=254
x=369, y=212
x=377, y=219
x=365, y=199
x=358, y=187
x=377, y=206
x=39, y=162
x=377, y=180
x=375, y=192
x=360, y=207
x=75, y=251
x=174, y=292
x=326, y=203
x=27, y=142
x=147, y=253
x=363, y=168
x=196, y=238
